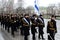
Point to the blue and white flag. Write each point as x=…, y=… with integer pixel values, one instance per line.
x=36, y=7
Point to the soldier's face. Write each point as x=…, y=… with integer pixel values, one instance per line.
x=53, y=18
x=27, y=16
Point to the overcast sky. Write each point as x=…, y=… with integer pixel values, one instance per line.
x=40, y=2
x=44, y=3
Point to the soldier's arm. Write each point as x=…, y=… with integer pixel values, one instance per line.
x=55, y=27
x=43, y=22
x=48, y=27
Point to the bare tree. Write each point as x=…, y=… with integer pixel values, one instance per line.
x=51, y=9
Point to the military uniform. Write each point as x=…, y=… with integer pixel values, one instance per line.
x=17, y=23
x=6, y=23
x=21, y=28
x=34, y=24
x=51, y=29
x=26, y=24
x=0, y=17
x=13, y=26
x=2, y=20
x=41, y=25
x=9, y=23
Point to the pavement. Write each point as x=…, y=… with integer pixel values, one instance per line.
x=4, y=35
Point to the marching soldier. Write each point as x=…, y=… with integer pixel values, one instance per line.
x=13, y=26
x=17, y=23
x=51, y=28
x=1, y=19
x=26, y=24
x=21, y=28
x=34, y=24
x=9, y=19
x=41, y=24
x=6, y=22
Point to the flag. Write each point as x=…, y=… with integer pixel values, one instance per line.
x=36, y=7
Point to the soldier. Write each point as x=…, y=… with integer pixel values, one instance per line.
x=0, y=17
x=21, y=28
x=34, y=24
x=13, y=26
x=8, y=17
x=17, y=24
x=41, y=24
x=2, y=20
x=26, y=24
x=51, y=28
x=6, y=22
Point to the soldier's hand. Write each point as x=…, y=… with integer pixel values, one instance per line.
x=48, y=34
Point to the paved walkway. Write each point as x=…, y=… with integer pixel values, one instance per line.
x=1, y=37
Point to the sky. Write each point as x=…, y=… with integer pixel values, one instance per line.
x=44, y=3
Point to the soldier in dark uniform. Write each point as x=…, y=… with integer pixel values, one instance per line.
x=26, y=24
x=17, y=23
x=41, y=24
x=51, y=28
x=34, y=24
x=2, y=20
x=21, y=28
x=0, y=17
x=13, y=26
x=8, y=21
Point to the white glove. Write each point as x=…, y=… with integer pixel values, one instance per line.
x=48, y=34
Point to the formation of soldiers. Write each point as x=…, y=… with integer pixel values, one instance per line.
x=26, y=22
